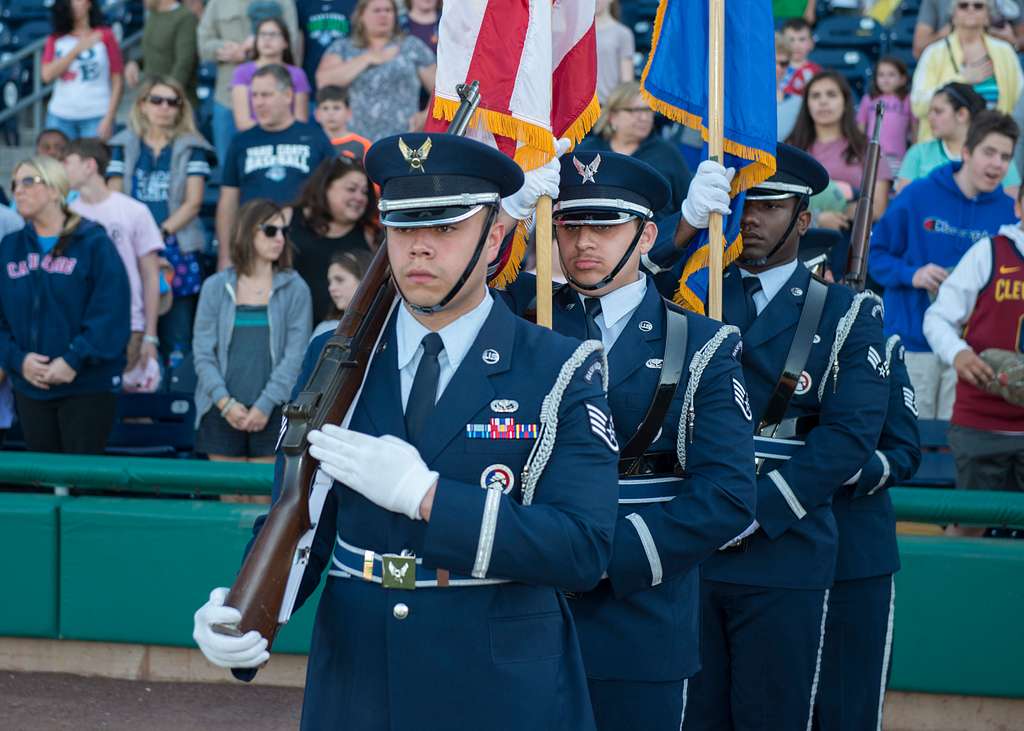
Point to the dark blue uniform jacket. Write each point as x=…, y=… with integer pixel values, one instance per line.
x=863, y=511
x=474, y=654
x=642, y=624
x=795, y=546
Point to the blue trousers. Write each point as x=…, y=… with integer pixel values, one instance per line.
x=621, y=705
x=761, y=652
x=857, y=659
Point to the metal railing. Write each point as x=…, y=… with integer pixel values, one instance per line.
x=40, y=91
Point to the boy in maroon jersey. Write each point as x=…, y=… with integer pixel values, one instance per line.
x=979, y=306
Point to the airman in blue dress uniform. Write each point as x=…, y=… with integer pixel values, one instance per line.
x=814, y=370
x=857, y=656
x=682, y=421
x=475, y=482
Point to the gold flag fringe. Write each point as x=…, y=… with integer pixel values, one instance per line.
x=686, y=297
x=510, y=271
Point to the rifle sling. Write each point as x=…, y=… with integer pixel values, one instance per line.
x=799, y=351
x=668, y=382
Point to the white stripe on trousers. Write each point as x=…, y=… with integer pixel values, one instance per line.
x=887, y=652
x=817, y=662
x=682, y=716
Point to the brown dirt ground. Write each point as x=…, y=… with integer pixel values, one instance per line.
x=57, y=701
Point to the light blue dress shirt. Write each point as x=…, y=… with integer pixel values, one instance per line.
x=616, y=309
x=772, y=281
x=457, y=337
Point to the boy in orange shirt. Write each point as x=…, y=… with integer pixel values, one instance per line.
x=333, y=114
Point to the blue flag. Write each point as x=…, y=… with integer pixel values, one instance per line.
x=675, y=83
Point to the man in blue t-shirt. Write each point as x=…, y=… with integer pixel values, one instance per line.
x=271, y=160
x=321, y=22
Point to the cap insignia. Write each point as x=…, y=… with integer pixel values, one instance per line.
x=415, y=158
x=587, y=172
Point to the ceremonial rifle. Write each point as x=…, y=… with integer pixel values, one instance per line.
x=860, y=233
x=265, y=589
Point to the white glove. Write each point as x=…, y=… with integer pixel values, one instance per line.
x=542, y=181
x=247, y=651
x=748, y=531
x=384, y=470
x=709, y=193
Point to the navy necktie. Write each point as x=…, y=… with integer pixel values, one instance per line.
x=592, y=305
x=423, y=395
x=751, y=286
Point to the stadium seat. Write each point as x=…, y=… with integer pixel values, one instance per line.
x=183, y=378
x=849, y=32
x=938, y=469
x=901, y=34
x=637, y=10
x=643, y=33
x=153, y=425
x=910, y=8
x=30, y=32
x=933, y=433
x=855, y=66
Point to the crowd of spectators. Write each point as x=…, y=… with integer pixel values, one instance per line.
x=949, y=141
x=301, y=90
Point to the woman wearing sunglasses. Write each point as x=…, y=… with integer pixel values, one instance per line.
x=251, y=331
x=161, y=160
x=971, y=55
x=64, y=316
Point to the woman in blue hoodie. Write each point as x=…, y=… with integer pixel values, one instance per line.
x=64, y=316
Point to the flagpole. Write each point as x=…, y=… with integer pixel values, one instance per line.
x=716, y=103
x=542, y=233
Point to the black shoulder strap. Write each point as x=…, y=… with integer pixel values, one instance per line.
x=671, y=373
x=799, y=350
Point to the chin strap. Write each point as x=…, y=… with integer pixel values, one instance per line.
x=801, y=206
x=431, y=309
x=615, y=270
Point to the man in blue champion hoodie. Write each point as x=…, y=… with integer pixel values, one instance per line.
x=64, y=316
x=923, y=234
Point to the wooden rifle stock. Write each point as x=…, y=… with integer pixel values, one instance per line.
x=259, y=589
x=860, y=233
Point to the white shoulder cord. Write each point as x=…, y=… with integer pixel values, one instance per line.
x=541, y=452
x=701, y=360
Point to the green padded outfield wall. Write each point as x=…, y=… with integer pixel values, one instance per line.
x=29, y=545
x=960, y=616
x=152, y=563
x=135, y=569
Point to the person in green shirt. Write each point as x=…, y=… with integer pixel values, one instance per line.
x=782, y=9
x=950, y=113
x=168, y=47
